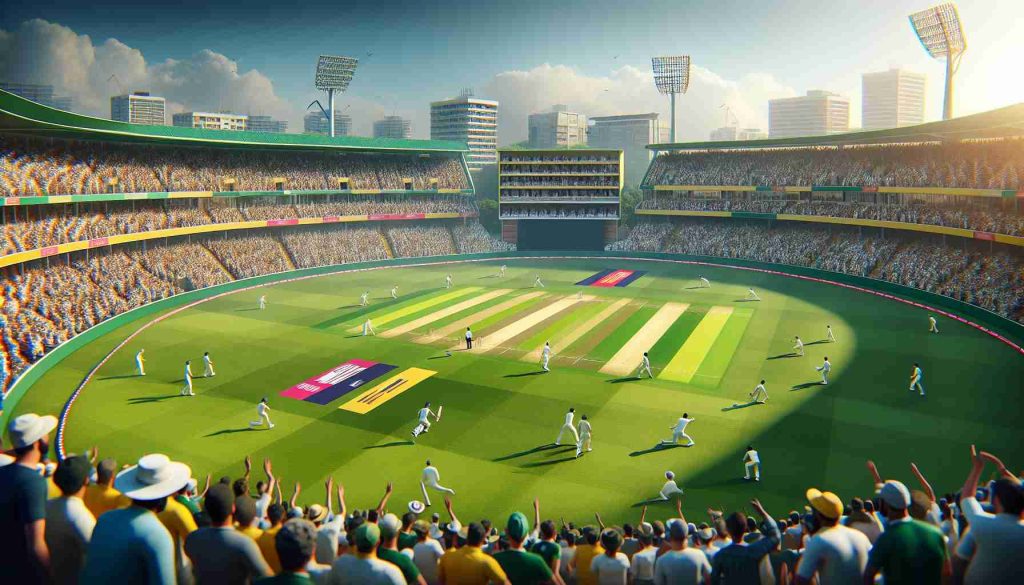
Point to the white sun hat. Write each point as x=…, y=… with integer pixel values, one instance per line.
x=416, y=507
x=155, y=477
x=29, y=428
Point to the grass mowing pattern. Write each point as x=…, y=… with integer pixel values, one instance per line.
x=684, y=364
x=712, y=369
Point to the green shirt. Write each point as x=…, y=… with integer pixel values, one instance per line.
x=523, y=568
x=909, y=552
x=285, y=578
x=188, y=503
x=404, y=563
x=406, y=540
x=550, y=551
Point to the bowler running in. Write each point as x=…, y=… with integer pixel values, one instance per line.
x=704, y=283
x=394, y=292
x=831, y=337
x=799, y=347
x=537, y=283
x=364, y=299
x=263, y=414
x=752, y=462
x=645, y=366
x=933, y=325
x=752, y=296
x=368, y=328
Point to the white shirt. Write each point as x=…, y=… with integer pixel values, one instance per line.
x=826, y=367
x=647, y=362
x=431, y=475
x=350, y=569
x=670, y=487
x=761, y=388
x=469, y=334
x=546, y=352
x=138, y=357
x=932, y=320
x=609, y=570
x=682, y=567
x=423, y=414
x=998, y=538
x=838, y=554
x=568, y=418
x=188, y=372
x=642, y=565
x=206, y=360
x=425, y=555
x=326, y=546
x=69, y=526
x=584, y=427
x=261, y=408
x=752, y=456
x=799, y=343
x=681, y=425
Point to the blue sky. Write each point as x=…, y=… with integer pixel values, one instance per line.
x=429, y=50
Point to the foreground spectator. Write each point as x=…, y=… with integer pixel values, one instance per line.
x=23, y=552
x=131, y=543
x=909, y=551
x=69, y=524
x=470, y=565
x=522, y=567
x=267, y=541
x=220, y=553
x=294, y=543
x=427, y=552
x=363, y=567
x=835, y=553
x=180, y=522
x=740, y=562
x=681, y=565
x=998, y=538
x=101, y=497
x=390, y=526
x=610, y=567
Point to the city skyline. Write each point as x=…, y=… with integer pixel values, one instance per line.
x=411, y=54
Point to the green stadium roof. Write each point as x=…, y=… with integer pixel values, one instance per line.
x=22, y=116
x=1002, y=123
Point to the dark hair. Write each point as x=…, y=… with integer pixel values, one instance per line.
x=685, y=415
x=750, y=447
x=295, y=543
x=240, y=487
x=219, y=503
x=105, y=470
x=1009, y=496
x=475, y=534
x=584, y=417
x=627, y=529
x=590, y=535
x=572, y=409
x=569, y=538
x=245, y=510
x=275, y=512
x=407, y=519
x=736, y=525
x=547, y=529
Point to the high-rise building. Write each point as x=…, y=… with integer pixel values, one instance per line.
x=470, y=120
x=317, y=123
x=558, y=128
x=815, y=114
x=891, y=99
x=40, y=94
x=392, y=127
x=211, y=121
x=726, y=133
x=138, y=107
x=266, y=124
x=630, y=133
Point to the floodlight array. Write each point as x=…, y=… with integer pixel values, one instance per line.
x=671, y=74
x=939, y=30
x=335, y=72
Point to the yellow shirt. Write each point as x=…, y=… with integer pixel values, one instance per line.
x=52, y=491
x=269, y=548
x=101, y=498
x=469, y=565
x=251, y=531
x=179, y=522
x=584, y=554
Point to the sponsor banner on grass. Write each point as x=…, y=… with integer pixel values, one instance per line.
x=386, y=390
x=337, y=382
x=609, y=278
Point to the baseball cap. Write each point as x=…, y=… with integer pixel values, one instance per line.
x=645, y=529
x=421, y=527
x=826, y=503
x=72, y=473
x=518, y=526
x=367, y=536
x=29, y=428
x=895, y=495
x=390, y=524
x=295, y=543
x=677, y=529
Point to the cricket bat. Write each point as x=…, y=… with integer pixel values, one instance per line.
x=439, y=409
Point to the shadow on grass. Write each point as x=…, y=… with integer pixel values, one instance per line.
x=747, y=300
x=562, y=449
x=650, y=501
x=350, y=307
x=391, y=444
x=527, y=452
x=782, y=356
x=358, y=335
x=819, y=342
x=806, y=385
x=231, y=431
x=121, y=377
x=656, y=448
x=552, y=462
x=438, y=357
x=626, y=379
x=524, y=374
x=148, y=399
x=693, y=287
x=247, y=309
x=744, y=405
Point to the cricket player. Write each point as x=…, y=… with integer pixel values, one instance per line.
x=368, y=328
x=363, y=298
x=915, y=379
x=752, y=296
x=263, y=412
x=501, y=271
x=584, y=434
x=208, y=366
x=448, y=281
x=645, y=366
x=537, y=283
x=670, y=488
x=799, y=347
x=824, y=368
x=752, y=461
x=263, y=302
x=545, y=355
x=568, y=426
x=933, y=325
x=140, y=362
x=705, y=283
x=579, y=295
x=679, y=431
x=423, y=424
x=759, y=395
x=186, y=389
x=469, y=339
x=831, y=337
x=431, y=479
x=394, y=292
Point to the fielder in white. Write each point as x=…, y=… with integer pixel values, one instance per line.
x=448, y=281
x=645, y=366
x=752, y=296
x=679, y=431
x=915, y=379
x=208, y=366
x=584, y=442
x=394, y=292
x=760, y=394
x=705, y=283
x=140, y=362
x=752, y=462
x=263, y=412
x=537, y=283
x=799, y=347
x=579, y=295
x=423, y=420
x=670, y=488
x=263, y=302
x=186, y=388
x=568, y=427
x=368, y=328
x=431, y=478
x=831, y=337
x=501, y=271
x=933, y=325
x=545, y=356
x=363, y=299
x=824, y=368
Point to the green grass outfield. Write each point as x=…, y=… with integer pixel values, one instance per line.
x=498, y=409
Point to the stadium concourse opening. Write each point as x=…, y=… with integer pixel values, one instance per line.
x=554, y=234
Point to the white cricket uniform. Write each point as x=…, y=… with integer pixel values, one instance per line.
x=584, y=442
x=140, y=363
x=915, y=381
x=568, y=427
x=545, y=355
x=538, y=283
x=394, y=292
x=705, y=283
x=933, y=325
x=799, y=347
x=448, y=281
x=263, y=303
x=751, y=295
x=760, y=394
x=679, y=431
x=824, y=368
x=208, y=367
x=368, y=328
x=431, y=478
x=645, y=366
x=362, y=299
x=752, y=462
x=263, y=414
x=424, y=418
x=186, y=389
x=669, y=489
x=501, y=271
x=831, y=337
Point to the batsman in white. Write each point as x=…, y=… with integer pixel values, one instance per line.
x=368, y=328
x=584, y=443
x=140, y=362
x=752, y=462
x=545, y=355
x=186, y=388
x=670, y=488
x=824, y=368
x=423, y=418
x=263, y=412
x=759, y=395
x=431, y=478
x=568, y=427
x=208, y=366
x=679, y=431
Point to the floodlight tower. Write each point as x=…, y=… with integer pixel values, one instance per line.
x=672, y=76
x=334, y=74
x=939, y=30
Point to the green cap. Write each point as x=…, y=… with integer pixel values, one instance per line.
x=518, y=526
x=367, y=536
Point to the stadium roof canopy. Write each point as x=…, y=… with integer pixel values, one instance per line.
x=1002, y=123
x=21, y=116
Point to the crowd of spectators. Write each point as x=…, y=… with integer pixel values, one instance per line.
x=557, y=169
x=585, y=181
x=996, y=164
x=987, y=216
x=83, y=520
x=577, y=194
x=32, y=167
x=324, y=246
x=414, y=241
x=560, y=212
x=991, y=280
x=472, y=238
x=577, y=157
x=42, y=226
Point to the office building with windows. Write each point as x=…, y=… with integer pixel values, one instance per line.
x=892, y=99
x=816, y=114
x=392, y=127
x=211, y=121
x=630, y=133
x=558, y=128
x=470, y=120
